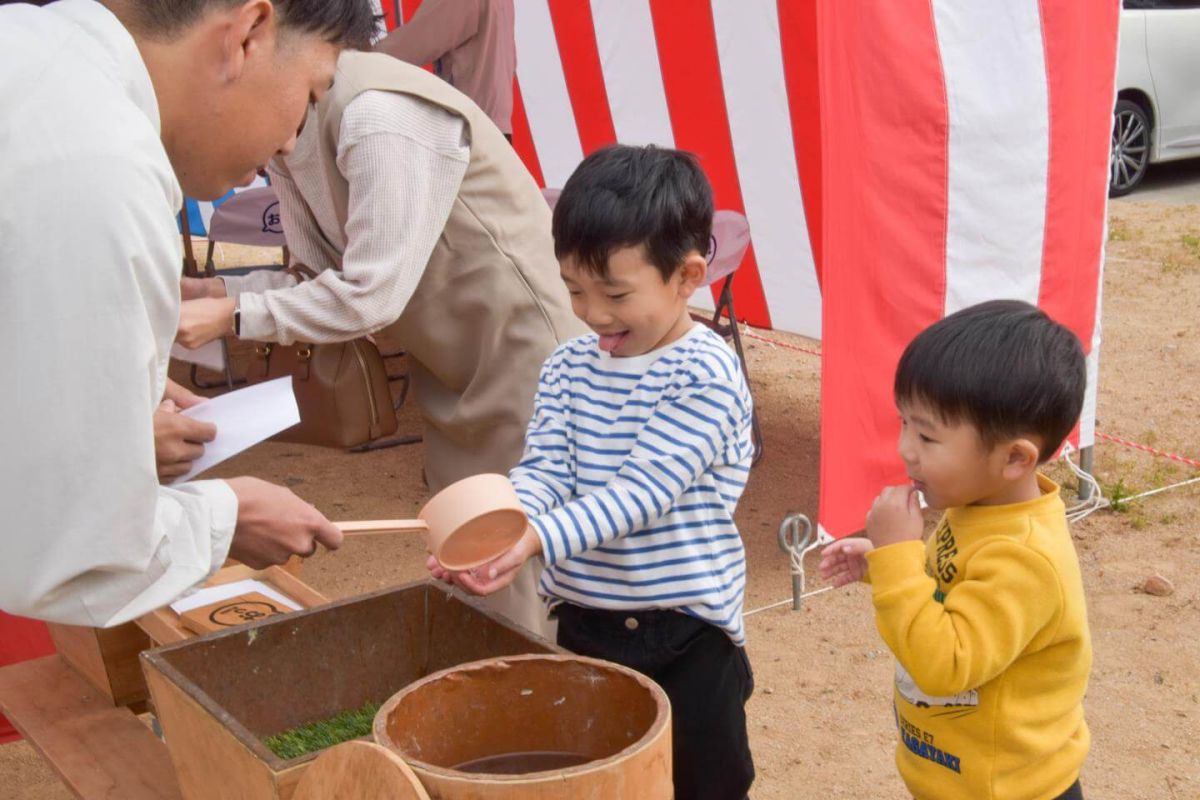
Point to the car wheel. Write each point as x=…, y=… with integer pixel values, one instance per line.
x=1130, y=153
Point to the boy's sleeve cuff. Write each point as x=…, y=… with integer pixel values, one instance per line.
x=895, y=563
x=550, y=552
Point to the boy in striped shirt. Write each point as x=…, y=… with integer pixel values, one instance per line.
x=635, y=458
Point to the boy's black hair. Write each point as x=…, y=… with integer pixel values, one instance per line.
x=1004, y=367
x=347, y=23
x=623, y=196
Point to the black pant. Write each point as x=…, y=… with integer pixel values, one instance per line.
x=1075, y=792
x=706, y=677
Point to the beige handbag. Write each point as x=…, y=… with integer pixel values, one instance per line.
x=341, y=389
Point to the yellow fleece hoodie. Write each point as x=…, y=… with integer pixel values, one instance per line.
x=988, y=625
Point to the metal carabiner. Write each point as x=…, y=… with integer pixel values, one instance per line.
x=795, y=543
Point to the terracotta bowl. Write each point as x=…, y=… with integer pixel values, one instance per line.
x=473, y=521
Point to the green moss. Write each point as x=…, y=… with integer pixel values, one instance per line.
x=1192, y=243
x=323, y=733
x=1118, y=496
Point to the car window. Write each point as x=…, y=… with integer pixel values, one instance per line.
x=1160, y=4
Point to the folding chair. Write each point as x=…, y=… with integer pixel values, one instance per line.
x=250, y=217
x=726, y=248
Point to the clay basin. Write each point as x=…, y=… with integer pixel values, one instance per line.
x=473, y=521
x=544, y=726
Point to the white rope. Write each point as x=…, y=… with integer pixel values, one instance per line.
x=1096, y=499
x=1160, y=489
x=797, y=546
x=769, y=606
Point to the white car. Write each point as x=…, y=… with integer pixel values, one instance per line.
x=1157, y=116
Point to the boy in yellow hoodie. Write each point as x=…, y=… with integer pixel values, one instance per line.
x=987, y=618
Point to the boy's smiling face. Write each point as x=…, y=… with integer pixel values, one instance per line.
x=632, y=308
x=951, y=465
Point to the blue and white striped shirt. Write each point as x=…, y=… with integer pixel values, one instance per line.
x=632, y=470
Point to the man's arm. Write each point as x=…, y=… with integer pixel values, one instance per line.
x=89, y=537
x=1008, y=593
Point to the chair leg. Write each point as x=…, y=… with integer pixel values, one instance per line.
x=383, y=444
x=725, y=305
x=229, y=382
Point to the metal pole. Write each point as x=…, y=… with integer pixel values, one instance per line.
x=1086, y=463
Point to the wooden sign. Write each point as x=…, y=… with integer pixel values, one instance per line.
x=232, y=611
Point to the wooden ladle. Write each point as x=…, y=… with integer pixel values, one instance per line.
x=467, y=524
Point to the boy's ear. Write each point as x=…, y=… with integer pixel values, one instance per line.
x=692, y=274
x=1021, y=456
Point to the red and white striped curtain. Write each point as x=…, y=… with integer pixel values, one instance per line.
x=896, y=159
x=965, y=158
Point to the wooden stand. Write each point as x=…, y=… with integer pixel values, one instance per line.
x=217, y=696
x=97, y=750
x=78, y=708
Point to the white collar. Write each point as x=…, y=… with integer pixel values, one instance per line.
x=637, y=364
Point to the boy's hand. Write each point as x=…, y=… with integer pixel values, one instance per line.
x=437, y=571
x=499, y=573
x=895, y=517
x=845, y=561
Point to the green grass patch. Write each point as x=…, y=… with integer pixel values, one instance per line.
x=324, y=733
x=1118, y=496
x=1192, y=243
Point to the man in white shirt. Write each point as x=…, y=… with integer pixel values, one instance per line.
x=111, y=108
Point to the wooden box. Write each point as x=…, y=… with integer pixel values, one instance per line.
x=108, y=657
x=217, y=696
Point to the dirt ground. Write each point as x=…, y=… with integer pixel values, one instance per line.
x=820, y=719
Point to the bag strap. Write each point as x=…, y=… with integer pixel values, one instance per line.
x=301, y=272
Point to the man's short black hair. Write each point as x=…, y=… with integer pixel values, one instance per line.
x=622, y=196
x=348, y=23
x=1002, y=366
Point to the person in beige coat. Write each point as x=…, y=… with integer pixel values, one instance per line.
x=422, y=223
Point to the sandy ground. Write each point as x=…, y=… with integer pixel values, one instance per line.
x=820, y=720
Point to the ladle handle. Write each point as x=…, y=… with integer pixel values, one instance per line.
x=374, y=527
